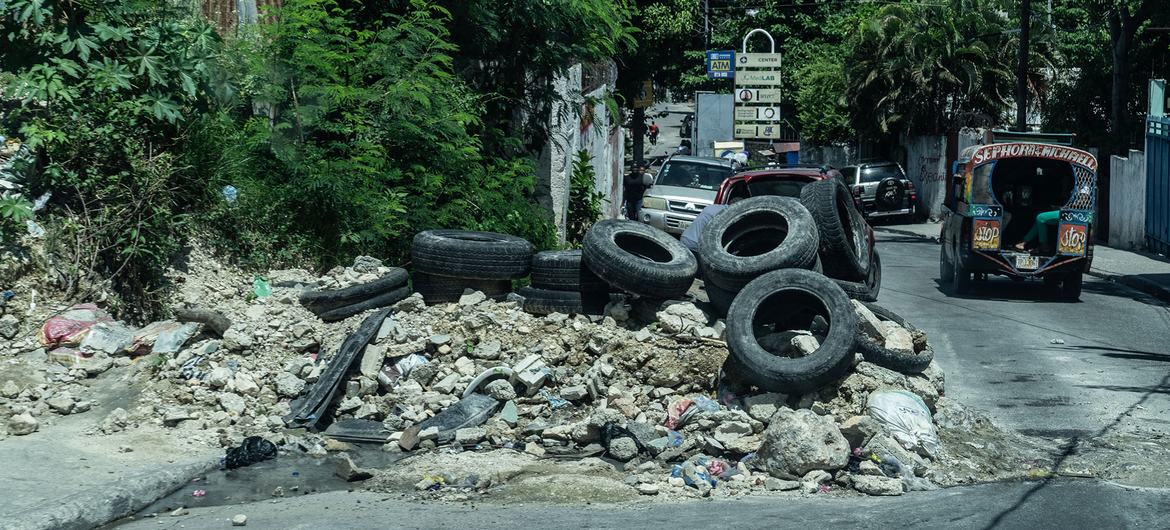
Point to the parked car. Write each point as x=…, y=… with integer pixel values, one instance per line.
x=683, y=187
x=882, y=189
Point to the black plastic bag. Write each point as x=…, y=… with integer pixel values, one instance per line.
x=254, y=449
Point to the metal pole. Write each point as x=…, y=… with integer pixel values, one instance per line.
x=706, y=25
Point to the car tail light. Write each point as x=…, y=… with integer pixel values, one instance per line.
x=910, y=189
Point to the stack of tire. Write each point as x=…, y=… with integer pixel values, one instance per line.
x=638, y=259
x=338, y=304
x=775, y=264
x=561, y=283
x=448, y=262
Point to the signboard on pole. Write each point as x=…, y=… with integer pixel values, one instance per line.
x=753, y=60
x=757, y=92
x=720, y=64
x=763, y=130
x=757, y=113
x=645, y=95
x=757, y=95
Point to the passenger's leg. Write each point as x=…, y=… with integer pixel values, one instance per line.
x=1043, y=221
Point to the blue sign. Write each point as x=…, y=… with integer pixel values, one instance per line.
x=721, y=65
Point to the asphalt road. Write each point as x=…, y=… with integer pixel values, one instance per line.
x=1043, y=367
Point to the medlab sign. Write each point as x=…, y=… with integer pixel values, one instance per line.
x=993, y=152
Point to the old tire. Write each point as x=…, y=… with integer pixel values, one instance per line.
x=474, y=255
x=757, y=236
x=790, y=299
x=546, y=301
x=438, y=289
x=382, y=300
x=320, y=301
x=563, y=270
x=844, y=247
x=1070, y=287
x=899, y=361
x=719, y=297
x=868, y=291
x=639, y=259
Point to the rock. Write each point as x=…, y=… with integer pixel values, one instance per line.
x=9, y=390
x=858, y=430
x=232, y=403
x=465, y=366
x=534, y=449
x=869, y=323
x=9, y=326
x=870, y=468
x=898, y=338
x=447, y=384
x=239, y=519
x=623, y=449
x=871, y=485
x=411, y=304
x=472, y=298
x=429, y=433
x=425, y=374
x=797, y=442
x=219, y=377
x=775, y=484
x=22, y=424
x=762, y=407
x=647, y=489
x=372, y=359
x=736, y=436
x=500, y=389
x=805, y=344
x=99, y=363
x=643, y=335
x=439, y=340
x=333, y=445
x=289, y=385
x=61, y=403
x=487, y=349
x=470, y=435
x=366, y=265
x=345, y=468
x=817, y=476
x=245, y=385
x=681, y=317
x=574, y=393
x=179, y=512
x=509, y=413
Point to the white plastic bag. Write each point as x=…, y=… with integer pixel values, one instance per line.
x=906, y=417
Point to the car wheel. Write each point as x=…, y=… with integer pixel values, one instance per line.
x=960, y=279
x=1070, y=287
x=946, y=269
x=792, y=299
x=757, y=236
x=639, y=259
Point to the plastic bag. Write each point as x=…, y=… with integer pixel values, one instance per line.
x=906, y=417
x=71, y=327
x=260, y=287
x=110, y=337
x=171, y=339
x=253, y=449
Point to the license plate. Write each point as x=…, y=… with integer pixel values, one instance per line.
x=1027, y=262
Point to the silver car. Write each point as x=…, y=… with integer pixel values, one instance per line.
x=882, y=189
x=684, y=186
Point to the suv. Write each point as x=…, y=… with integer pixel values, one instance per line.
x=882, y=189
x=684, y=186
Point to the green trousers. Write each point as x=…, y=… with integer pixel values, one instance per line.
x=1039, y=230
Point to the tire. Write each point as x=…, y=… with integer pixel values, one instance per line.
x=757, y=236
x=382, y=300
x=844, y=247
x=788, y=291
x=890, y=194
x=946, y=269
x=899, y=361
x=720, y=298
x=868, y=291
x=320, y=301
x=960, y=279
x=437, y=289
x=545, y=301
x=563, y=270
x=1070, y=287
x=474, y=255
x=639, y=259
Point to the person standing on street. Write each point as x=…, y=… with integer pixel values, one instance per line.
x=634, y=186
x=653, y=132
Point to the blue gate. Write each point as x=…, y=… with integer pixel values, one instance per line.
x=1158, y=184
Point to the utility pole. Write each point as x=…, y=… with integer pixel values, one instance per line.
x=706, y=25
x=1022, y=66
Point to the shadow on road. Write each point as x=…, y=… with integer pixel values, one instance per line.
x=1069, y=448
x=1121, y=353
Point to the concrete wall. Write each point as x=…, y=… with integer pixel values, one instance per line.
x=925, y=165
x=837, y=156
x=1127, y=194
x=714, y=121
x=569, y=133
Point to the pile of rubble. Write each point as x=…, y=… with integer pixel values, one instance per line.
x=646, y=396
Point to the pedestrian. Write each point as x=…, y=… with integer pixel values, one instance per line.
x=653, y=130
x=634, y=186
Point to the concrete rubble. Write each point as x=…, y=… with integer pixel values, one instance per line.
x=574, y=386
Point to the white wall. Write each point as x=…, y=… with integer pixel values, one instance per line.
x=1127, y=199
x=926, y=159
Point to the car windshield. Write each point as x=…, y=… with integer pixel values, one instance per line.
x=783, y=188
x=880, y=173
x=688, y=175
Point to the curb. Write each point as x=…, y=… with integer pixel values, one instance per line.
x=1134, y=282
x=111, y=501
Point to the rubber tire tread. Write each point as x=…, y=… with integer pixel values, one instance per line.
x=732, y=272
x=720, y=298
x=801, y=375
x=840, y=259
x=1071, y=287
x=547, y=301
x=899, y=361
x=382, y=300
x=468, y=254
x=324, y=300
x=563, y=270
x=439, y=289
x=632, y=273
x=865, y=292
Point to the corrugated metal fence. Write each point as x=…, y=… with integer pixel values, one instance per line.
x=1158, y=184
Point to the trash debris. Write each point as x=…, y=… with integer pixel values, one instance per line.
x=554, y=401
x=70, y=328
x=907, y=418
x=260, y=287
x=253, y=449
x=389, y=374
x=171, y=338
x=470, y=411
x=1056, y=341
x=111, y=338
x=199, y=493
x=230, y=193
x=679, y=412
x=239, y=520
